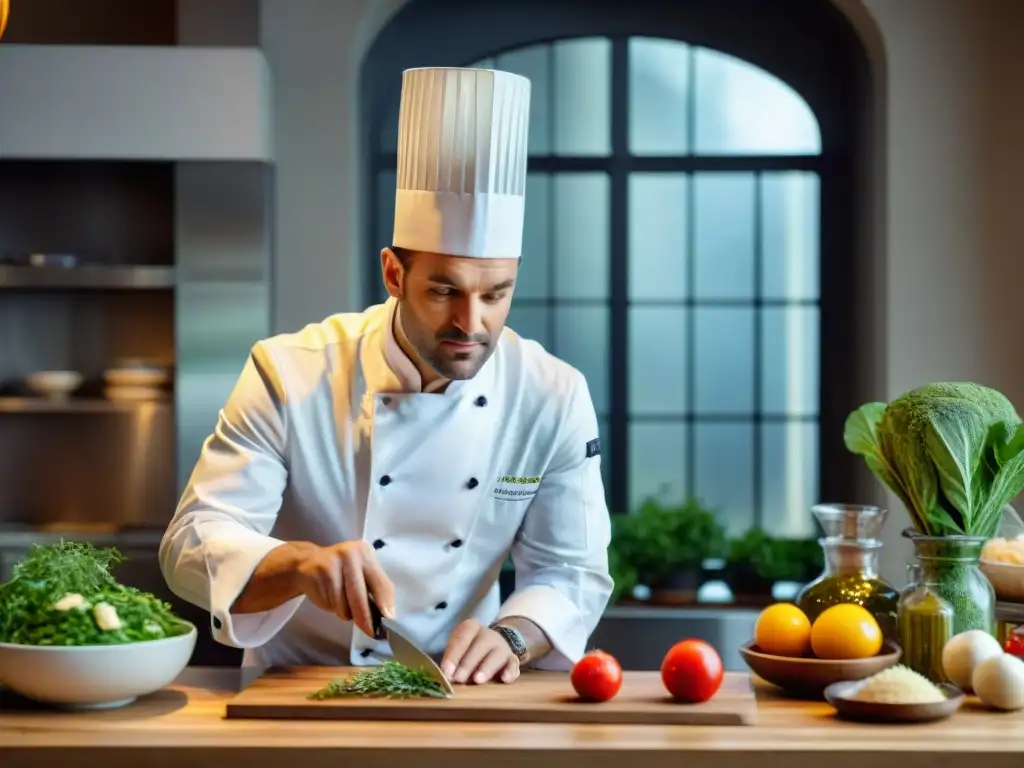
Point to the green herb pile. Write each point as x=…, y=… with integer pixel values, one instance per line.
x=390, y=680
x=655, y=541
x=952, y=452
x=776, y=559
x=49, y=573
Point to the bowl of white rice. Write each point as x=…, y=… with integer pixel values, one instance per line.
x=896, y=694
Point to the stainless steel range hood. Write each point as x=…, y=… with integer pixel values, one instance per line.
x=148, y=103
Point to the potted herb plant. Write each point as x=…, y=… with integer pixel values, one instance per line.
x=664, y=548
x=757, y=561
x=808, y=557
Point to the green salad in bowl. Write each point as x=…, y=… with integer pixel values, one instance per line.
x=71, y=634
x=65, y=594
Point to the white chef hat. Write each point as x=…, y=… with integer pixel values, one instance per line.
x=462, y=162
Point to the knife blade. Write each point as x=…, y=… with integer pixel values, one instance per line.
x=405, y=651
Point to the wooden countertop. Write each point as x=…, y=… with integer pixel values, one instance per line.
x=184, y=726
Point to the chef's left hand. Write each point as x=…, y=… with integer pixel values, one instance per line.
x=478, y=654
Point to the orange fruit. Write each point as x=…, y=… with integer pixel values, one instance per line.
x=783, y=630
x=846, y=631
x=5, y=12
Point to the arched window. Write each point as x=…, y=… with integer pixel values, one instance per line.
x=677, y=248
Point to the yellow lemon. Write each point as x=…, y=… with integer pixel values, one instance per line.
x=783, y=630
x=846, y=631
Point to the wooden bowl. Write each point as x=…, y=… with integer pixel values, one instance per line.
x=1007, y=580
x=809, y=677
x=879, y=712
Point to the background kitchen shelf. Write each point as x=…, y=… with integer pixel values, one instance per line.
x=113, y=277
x=79, y=405
x=142, y=144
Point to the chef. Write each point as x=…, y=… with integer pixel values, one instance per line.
x=403, y=452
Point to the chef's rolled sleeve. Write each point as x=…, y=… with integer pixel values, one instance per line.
x=221, y=529
x=561, y=551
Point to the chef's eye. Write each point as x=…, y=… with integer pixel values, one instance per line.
x=493, y=297
x=440, y=291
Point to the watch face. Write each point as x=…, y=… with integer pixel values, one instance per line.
x=513, y=637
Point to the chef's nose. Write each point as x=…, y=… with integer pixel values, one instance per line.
x=469, y=316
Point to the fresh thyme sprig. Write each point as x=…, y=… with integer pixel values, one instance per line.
x=390, y=680
x=66, y=566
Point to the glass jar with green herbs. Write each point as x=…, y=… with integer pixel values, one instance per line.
x=925, y=622
x=952, y=566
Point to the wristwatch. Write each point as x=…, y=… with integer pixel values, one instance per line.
x=513, y=637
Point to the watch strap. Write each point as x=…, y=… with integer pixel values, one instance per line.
x=513, y=637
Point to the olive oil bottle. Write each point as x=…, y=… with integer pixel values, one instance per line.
x=851, y=545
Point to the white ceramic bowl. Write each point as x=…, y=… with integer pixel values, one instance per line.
x=54, y=383
x=94, y=676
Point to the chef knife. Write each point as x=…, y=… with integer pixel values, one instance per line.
x=405, y=651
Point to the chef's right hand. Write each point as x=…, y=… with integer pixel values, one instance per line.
x=336, y=578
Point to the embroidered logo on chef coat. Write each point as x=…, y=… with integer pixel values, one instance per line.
x=516, y=488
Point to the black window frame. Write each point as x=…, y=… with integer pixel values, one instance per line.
x=808, y=44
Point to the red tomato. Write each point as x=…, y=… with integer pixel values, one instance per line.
x=1015, y=645
x=692, y=671
x=597, y=676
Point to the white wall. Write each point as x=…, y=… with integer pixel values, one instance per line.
x=955, y=179
x=315, y=48
x=948, y=190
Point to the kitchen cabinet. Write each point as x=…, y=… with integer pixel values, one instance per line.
x=136, y=207
x=139, y=142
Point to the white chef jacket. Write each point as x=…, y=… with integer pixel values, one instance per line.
x=327, y=437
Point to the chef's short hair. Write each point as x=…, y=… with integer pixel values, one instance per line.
x=404, y=255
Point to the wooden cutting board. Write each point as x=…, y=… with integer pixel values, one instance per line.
x=536, y=697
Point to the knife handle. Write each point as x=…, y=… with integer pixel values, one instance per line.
x=375, y=618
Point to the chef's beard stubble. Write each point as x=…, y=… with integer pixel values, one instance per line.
x=431, y=354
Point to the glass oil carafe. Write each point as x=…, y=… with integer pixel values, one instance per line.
x=852, y=545
x=925, y=622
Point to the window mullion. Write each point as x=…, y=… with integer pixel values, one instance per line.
x=549, y=180
x=618, y=278
x=758, y=457
x=690, y=367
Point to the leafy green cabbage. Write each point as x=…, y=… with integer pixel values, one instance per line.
x=952, y=452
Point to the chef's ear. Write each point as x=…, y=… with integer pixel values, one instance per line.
x=393, y=270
